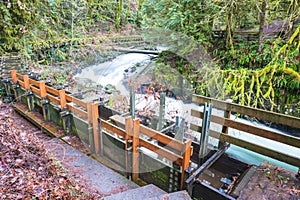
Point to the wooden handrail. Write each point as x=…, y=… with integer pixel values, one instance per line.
x=77, y=111
x=260, y=149
x=34, y=82
x=254, y=112
x=76, y=101
x=52, y=90
x=171, y=142
x=272, y=135
x=20, y=76
x=54, y=99
x=113, y=128
x=162, y=151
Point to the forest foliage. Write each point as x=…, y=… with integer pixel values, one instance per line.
x=253, y=45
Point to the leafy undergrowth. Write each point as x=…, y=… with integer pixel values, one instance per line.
x=26, y=170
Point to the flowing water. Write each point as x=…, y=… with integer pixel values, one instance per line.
x=115, y=73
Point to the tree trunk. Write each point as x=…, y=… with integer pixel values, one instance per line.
x=261, y=25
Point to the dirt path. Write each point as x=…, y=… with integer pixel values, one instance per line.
x=27, y=170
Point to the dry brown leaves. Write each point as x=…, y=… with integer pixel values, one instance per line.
x=26, y=171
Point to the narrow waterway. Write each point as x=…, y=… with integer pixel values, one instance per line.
x=116, y=72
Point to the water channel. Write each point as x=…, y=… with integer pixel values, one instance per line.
x=117, y=72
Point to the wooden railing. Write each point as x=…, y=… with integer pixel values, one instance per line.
x=253, y=112
x=89, y=111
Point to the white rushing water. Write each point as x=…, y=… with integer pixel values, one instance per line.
x=112, y=72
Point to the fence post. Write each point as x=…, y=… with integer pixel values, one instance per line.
x=15, y=83
x=29, y=95
x=95, y=115
x=205, y=132
x=135, y=152
x=128, y=129
x=64, y=113
x=186, y=160
x=14, y=76
x=44, y=101
x=132, y=102
x=225, y=128
x=162, y=104
x=90, y=126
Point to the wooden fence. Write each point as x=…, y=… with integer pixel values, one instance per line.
x=90, y=111
x=226, y=122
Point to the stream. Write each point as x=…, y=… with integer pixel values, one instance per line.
x=116, y=73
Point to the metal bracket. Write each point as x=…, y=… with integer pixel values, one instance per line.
x=44, y=101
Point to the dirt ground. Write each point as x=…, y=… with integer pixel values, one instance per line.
x=27, y=170
x=271, y=182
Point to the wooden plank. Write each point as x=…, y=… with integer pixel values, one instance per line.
x=14, y=76
x=197, y=128
x=62, y=98
x=35, y=90
x=43, y=92
x=171, y=142
x=53, y=99
x=20, y=76
x=34, y=82
x=135, y=152
x=254, y=112
x=78, y=111
x=162, y=151
x=21, y=83
x=262, y=150
x=95, y=115
x=272, y=135
x=37, y=119
x=52, y=90
x=26, y=82
x=76, y=101
x=113, y=129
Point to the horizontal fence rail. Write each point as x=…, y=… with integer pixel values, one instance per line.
x=258, y=113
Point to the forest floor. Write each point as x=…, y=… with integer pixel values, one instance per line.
x=27, y=169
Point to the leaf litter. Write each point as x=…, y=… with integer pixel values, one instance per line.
x=27, y=171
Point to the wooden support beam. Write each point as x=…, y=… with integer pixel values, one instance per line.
x=62, y=97
x=135, y=152
x=14, y=76
x=26, y=82
x=95, y=115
